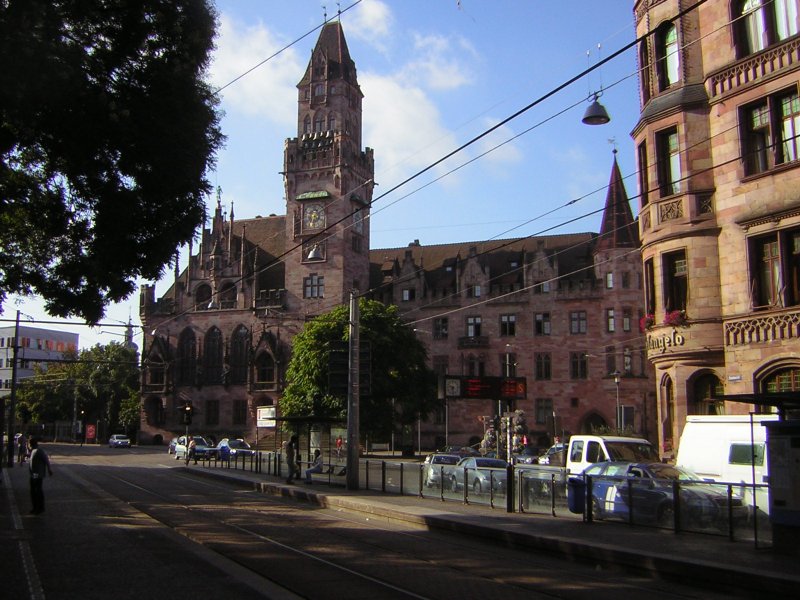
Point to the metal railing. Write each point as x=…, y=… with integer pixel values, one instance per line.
x=716, y=508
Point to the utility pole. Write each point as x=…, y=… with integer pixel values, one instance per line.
x=353, y=393
x=13, y=396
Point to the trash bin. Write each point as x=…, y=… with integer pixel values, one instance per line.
x=576, y=495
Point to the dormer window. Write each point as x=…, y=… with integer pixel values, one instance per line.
x=409, y=294
x=474, y=291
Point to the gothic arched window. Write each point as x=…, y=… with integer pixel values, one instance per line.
x=240, y=343
x=705, y=391
x=319, y=123
x=227, y=296
x=667, y=56
x=307, y=124
x=187, y=358
x=212, y=357
x=265, y=368
x=202, y=296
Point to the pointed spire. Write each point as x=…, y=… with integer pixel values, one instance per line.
x=333, y=47
x=618, y=229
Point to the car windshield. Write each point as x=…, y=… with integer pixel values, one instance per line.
x=238, y=444
x=631, y=451
x=444, y=460
x=662, y=471
x=199, y=441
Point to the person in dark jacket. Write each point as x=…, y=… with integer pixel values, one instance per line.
x=39, y=466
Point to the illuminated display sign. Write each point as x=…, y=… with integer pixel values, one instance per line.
x=495, y=388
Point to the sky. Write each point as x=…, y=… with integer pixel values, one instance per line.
x=435, y=75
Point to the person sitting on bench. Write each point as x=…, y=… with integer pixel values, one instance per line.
x=316, y=466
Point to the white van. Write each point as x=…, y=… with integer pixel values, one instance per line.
x=724, y=448
x=585, y=450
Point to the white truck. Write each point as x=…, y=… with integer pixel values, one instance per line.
x=581, y=452
x=729, y=449
x=585, y=450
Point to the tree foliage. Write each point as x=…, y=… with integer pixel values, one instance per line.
x=401, y=380
x=107, y=130
x=101, y=381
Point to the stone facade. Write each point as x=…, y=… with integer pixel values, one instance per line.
x=719, y=246
x=561, y=312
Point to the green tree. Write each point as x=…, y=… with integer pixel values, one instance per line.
x=107, y=130
x=400, y=380
x=102, y=381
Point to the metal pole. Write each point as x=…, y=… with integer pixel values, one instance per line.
x=12, y=408
x=617, y=418
x=353, y=392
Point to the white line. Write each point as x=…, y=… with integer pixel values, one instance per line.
x=35, y=590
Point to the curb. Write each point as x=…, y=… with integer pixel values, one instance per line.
x=736, y=579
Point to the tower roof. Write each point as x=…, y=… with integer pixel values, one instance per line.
x=333, y=47
x=618, y=229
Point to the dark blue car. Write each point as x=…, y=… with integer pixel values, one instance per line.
x=647, y=491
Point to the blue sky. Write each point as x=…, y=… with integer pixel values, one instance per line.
x=435, y=74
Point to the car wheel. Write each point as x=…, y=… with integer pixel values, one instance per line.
x=476, y=487
x=666, y=515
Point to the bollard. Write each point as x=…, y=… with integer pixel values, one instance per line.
x=401, y=479
x=383, y=476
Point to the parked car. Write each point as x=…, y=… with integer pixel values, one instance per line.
x=460, y=451
x=119, y=440
x=171, y=446
x=480, y=473
x=527, y=456
x=437, y=468
x=229, y=448
x=555, y=455
x=202, y=448
x=651, y=495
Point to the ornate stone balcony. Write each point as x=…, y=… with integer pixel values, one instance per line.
x=755, y=67
x=758, y=329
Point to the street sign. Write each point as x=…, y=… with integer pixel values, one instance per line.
x=496, y=388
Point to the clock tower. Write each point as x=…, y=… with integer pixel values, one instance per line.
x=328, y=179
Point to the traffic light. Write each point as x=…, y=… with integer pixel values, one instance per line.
x=186, y=413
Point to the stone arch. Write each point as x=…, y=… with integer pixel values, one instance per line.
x=701, y=387
x=593, y=421
x=202, y=295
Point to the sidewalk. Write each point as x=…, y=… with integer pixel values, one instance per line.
x=705, y=560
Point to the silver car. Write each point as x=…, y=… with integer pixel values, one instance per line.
x=480, y=473
x=437, y=468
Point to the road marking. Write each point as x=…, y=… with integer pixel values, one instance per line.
x=35, y=590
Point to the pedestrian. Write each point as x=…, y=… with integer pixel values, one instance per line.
x=339, y=443
x=192, y=451
x=39, y=466
x=22, y=448
x=316, y=466
x=292, y=448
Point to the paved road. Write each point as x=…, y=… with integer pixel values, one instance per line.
x=132, y=524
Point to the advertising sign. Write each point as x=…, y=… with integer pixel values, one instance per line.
x=91, y=431
x=265, y=416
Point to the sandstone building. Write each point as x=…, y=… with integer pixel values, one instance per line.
x=719, y=206
x=559, y=314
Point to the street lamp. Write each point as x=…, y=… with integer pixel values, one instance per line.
x=618, y=419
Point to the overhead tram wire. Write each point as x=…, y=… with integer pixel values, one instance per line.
x=278, y=259
x=286, y=47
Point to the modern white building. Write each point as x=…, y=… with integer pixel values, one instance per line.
x=34, y=346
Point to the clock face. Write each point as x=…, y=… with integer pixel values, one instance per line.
x=313, y=216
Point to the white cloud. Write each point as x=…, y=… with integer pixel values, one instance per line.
x=405, y=125
x=439, y=63
x=370, y=21
x=263, y=92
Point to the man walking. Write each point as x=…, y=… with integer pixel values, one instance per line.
x=39, y=465
x=292, y=448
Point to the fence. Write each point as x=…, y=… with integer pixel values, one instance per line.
x=714, y=508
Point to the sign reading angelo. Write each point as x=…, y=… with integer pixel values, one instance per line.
x=662, y=343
